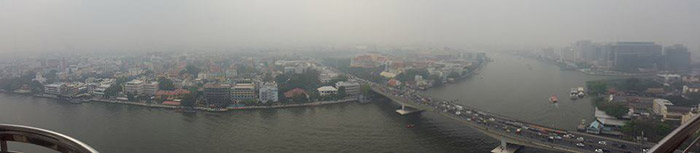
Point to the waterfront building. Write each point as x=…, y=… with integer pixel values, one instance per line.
x=268, y=92
x=217, y=95
x=149, y=89
x=352, y=88
x=677, y=58
x=243, y=91
x=327, y=90
x=100, y=90
x=54, y=89
x=177, y=94
x=636, y=56
x=133, y=87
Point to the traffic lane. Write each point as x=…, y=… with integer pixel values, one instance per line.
x=592, y=143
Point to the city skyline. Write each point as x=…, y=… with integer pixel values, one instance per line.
x=108, y=26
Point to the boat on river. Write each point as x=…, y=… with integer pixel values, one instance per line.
x=573, y=95
x=553, y=99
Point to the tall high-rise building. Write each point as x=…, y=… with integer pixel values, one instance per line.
x=635, y=56
x=677, y=58
x=217, y=95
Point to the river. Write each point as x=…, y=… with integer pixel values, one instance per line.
x=506, y=86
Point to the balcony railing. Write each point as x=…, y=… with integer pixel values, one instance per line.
x=677, y=140
x=45, y=138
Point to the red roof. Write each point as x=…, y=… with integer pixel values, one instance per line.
x=394, y=82
x=174, y=103
x=293, y=92
x=172, y=93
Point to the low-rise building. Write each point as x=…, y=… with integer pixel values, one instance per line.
x=170, y=95
x=327, y=90
x=54, y=89
x=133, y=87
x=668, y=111
x=243, y=91
x=691, y=88
x=217, y=95
x=352, y=88
x=268, y=92
x=149, y=89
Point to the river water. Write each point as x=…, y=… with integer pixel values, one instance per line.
x=506, y=86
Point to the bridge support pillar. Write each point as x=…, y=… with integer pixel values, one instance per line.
x=506, y=147
x=407, y=110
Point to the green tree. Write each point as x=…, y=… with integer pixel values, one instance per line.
x=112, y=91
x=336, y=80
x=191, y=70
x=341, y=92
x=300, y=98
x=268, y=77
x=410, y=74
x=165, y=84
x=453, y=75
x=597, y=87
x=248, y=102
x=130, y=96
x=188, y=100
x=654, y=130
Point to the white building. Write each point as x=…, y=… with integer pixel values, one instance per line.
x=352, y=88
x=327, y=90
x=133, y=86
x=268, y=92
x=149, y=88
x=54, y=89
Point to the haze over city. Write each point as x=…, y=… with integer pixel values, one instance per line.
x=163, y=25
x=319, y=76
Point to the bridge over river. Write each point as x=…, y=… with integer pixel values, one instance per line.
x=512, y=133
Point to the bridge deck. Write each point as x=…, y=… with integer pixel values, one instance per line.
x=495, y=129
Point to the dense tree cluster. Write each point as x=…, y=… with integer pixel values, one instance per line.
x=165, y=84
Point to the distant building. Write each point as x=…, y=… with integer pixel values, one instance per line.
x=133, y=87
x=327, y=90
x=268, y=92
x=352, y=88
x=677, y=58
x=636, y=56
x=387, y=74
x=54, y=89
x=368, y=61
x=217, y=95
x=691, y=88
x=178, y=93
x=100, y=90
x=394, y=82
x=668, y=111
x=243, y=91
x=39, y=78
x=149, y=89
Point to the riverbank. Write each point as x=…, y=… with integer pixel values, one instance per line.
x=318, y=103
x=588, y=71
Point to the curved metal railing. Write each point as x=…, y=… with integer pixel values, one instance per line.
x=674, y=140
x=49, y=139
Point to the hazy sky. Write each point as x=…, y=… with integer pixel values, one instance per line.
x=56, y=25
